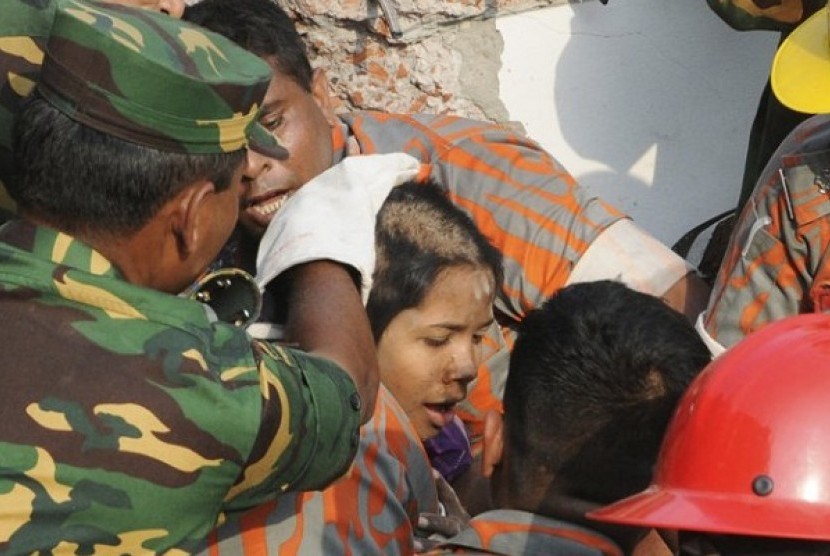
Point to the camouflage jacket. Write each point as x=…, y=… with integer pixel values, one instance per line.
x=773, y=15
x=131, y=421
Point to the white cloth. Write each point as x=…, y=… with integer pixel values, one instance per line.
x=715, y=348
x=333, y=217
x=625, y=253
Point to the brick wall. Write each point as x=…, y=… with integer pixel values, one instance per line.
x=446, y=58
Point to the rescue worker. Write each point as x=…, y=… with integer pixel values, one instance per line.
x=778, y=260
x=743, y=468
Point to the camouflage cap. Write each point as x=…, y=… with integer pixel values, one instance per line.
x=24, y=26
x=154, y=80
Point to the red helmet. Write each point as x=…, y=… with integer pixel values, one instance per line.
x=748, y=451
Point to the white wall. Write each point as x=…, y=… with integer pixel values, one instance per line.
x=647, y=102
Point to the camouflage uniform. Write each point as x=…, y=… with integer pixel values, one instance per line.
x=778, y=260
x=131, y=420
x=517, y=533
x=372, y=510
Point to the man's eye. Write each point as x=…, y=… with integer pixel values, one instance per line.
x=272, y=123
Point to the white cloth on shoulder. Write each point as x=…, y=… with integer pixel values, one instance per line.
x=333, y=217
x=625, y=253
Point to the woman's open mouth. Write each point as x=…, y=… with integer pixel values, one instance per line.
x=440, y=414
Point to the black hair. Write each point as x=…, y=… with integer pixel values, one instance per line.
x=595, y=376
x=419, y=234
x=261, y=27
x=78, y=179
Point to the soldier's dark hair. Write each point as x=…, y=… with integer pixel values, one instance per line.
x=261, y=27
x=595, y=375
x=79, y=179
x=419, y=234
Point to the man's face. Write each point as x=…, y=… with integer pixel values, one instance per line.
x=173, y=8
x=302, y=122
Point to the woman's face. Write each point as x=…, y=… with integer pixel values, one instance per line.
x=428, y=354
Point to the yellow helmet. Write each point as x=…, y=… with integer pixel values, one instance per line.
x=801, y=68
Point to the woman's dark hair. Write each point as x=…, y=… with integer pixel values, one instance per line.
x=419, y=234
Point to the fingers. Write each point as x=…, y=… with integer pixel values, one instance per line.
x=449, y=499
x=436, y=524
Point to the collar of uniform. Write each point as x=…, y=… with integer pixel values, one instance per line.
x=58, y=247
x=96, y=282
x=340, y=134
x=506, y=531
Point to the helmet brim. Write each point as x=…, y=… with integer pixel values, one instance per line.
x=800, y=74
x=728, y=514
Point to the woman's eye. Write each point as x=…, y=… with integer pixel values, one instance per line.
x=437, y=342
x=477, y=339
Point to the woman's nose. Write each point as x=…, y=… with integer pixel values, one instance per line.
x=173, y=8
x=464, y=364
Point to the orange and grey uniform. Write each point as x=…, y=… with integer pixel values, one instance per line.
x=778, y=262
x=528, y=206
x=372, y=510
x=513, y=532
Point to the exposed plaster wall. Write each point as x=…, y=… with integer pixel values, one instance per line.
x=447, y=58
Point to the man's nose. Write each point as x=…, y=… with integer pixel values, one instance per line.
x=255, y=164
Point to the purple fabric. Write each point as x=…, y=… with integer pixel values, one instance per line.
x=449, y=452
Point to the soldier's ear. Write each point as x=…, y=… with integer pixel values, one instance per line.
x=187, y=219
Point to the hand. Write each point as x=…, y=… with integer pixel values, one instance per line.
x=434, y=528
x=333, y=217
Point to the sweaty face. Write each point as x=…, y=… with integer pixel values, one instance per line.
x=428, y=354
x=174, y=8
x=302, y=122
